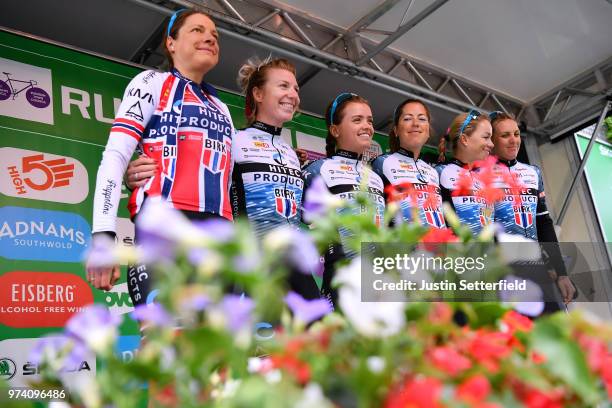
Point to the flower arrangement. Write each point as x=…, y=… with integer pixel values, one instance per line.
x=200, y=348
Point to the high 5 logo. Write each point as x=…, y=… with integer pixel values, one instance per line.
x=55, y=173
x=42, y=176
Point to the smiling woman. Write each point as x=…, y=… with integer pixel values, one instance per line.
x=343, y=173
x=153, y=117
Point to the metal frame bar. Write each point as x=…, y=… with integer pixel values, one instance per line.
x=583, y=163
x=402, y=30
x=227, y=5
x=295, y=27
x=334, y=57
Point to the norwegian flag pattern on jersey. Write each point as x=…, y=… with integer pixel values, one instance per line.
x=519, y=207
x=186, y=129
x=401, y=169
x=286, y=207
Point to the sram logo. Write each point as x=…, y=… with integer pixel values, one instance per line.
x=41, y=299
x=42, y=176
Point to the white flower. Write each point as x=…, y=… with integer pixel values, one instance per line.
x=517, y=248
x=313, y=397
x=376, y=364
x=528, y=301
x=371, y=319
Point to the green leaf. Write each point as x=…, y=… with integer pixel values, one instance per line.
x=564, y=359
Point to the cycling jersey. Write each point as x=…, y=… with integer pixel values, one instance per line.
x=186, y=129
x=343, y=174
x=471, y=209
x=520, y=218
x=402, y=170
x=267, y=180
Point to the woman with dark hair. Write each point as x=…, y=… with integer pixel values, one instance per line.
x=404, y=174
x=349, y=135
x=469, y=137
x=176, y=119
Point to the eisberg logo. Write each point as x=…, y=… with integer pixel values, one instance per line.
x=41, y=299
x=42, y=235
x=26, y=91
x=42, y=176
x=18, y=351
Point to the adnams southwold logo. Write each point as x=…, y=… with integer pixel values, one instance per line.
x=17, y=352
x=26, y=91
x=42, y=176
x=42, y=235
x=41, y=299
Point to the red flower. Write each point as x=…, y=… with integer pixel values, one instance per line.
x=297, y=368
x=596, y=351
x=440, y=313
x=517, y=322
x=449, y=360
x=535, y=398
x=537, y=358
x=464, y=185
x=401, y=191
x=437, y=236
x=488, y=348
x=606, y=374
x=420, y=392
x=475, y=389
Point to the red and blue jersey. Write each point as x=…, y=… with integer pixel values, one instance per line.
x=186, y=129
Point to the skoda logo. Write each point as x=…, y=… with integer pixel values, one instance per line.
x=7, y=369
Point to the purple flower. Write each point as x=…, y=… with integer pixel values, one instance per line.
x=95, y=326
x=60, y=352
x=154, y=314
x=318, y=200
x=196, y=302
x=217, y=229
x=101, y=252
x=237, y=311
x=300, y=251
x=307, y=311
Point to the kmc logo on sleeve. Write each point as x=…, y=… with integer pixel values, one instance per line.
x=41, y=299
x=26, y=91
x=42, y=176
x=42, y=235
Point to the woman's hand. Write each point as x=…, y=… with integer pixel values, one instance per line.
x=103, y=277
x=140, y=171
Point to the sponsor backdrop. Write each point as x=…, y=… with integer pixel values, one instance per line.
x=56, y=107
x=597, y=172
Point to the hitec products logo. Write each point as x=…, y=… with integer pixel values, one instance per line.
x=42, y=176
x=41, y=299
x=26, y=91
x=42, y=235
x=16, y=354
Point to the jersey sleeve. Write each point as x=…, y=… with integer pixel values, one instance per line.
x=137, y=106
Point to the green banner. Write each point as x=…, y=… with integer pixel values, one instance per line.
x=597, y=172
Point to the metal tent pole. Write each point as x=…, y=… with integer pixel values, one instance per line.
x=583, y=162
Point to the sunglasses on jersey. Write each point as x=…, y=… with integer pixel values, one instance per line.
x=472, y=115
x=338, y=101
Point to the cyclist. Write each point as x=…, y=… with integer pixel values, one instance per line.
x=404, y=172
x=176, y=119
x=267, y=180
x=530, y=217
x=350, y=132
x=470, y=139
